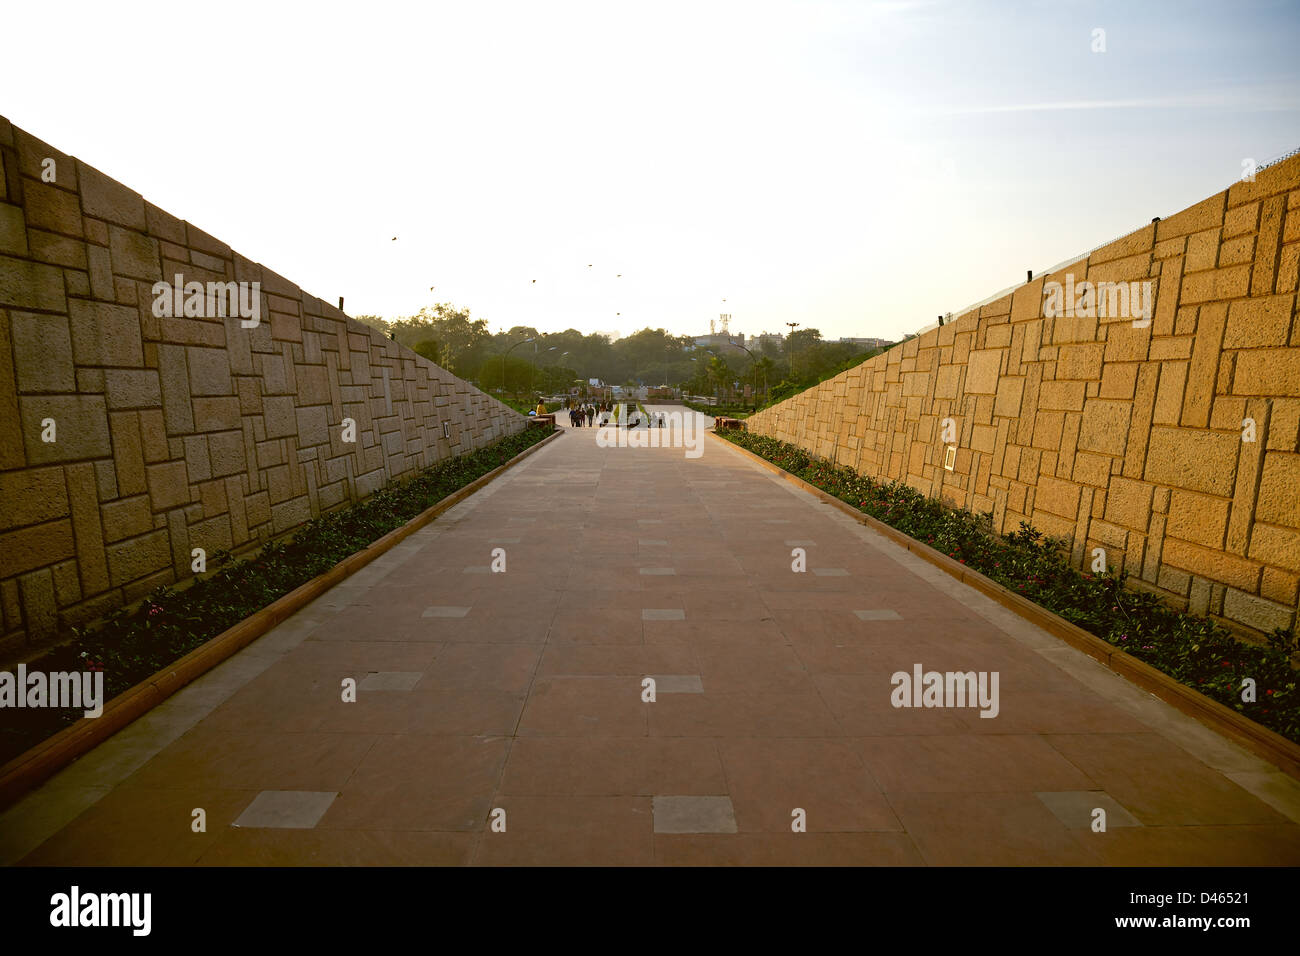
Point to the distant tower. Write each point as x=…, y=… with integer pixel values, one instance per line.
x=711, y=329
x=726, y=321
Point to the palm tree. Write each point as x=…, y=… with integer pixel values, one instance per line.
x=763, y=369
x=719, y=372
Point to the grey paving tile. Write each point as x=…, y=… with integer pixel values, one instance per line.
x=663, y=614
x=678, y=683
x=286, y=809
x=1075, y=808
x=390, y=680
x=445, y=611
x=694, y=815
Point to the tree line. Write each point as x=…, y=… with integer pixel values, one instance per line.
x=523, y=360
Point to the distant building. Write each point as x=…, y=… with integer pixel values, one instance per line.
x=868, y=343
x=721, y=340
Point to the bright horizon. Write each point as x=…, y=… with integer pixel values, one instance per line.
x=854, y=167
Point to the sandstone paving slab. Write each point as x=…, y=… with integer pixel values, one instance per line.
x=522, y=693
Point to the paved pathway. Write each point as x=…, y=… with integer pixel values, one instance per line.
x=523, y=691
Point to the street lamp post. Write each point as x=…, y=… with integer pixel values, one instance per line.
x=790, y=345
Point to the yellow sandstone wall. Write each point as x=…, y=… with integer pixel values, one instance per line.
x=175, y=433
x=1109, y=435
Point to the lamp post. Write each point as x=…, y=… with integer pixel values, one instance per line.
x=790, y=346
x=503, y=360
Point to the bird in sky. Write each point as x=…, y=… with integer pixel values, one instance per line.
x=394, y=238
x=534, y=282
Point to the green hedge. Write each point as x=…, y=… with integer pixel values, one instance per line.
x=132, y=645
x=1193, y=650
x=722, y=411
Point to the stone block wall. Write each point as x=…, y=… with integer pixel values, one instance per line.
x=175, y=433
x=1107, y=433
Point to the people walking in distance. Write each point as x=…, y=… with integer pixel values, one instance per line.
x=591, y=414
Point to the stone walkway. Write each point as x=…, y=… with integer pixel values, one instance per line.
x=521, y=692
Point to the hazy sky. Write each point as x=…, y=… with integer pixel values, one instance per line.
x=857, y=167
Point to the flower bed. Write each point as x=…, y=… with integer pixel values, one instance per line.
x=129, y=646
x=1195, y=651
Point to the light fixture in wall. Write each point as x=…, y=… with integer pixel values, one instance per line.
x=950, y=457
x=446, y=429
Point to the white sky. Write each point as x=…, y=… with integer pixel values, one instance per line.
x=856, y=167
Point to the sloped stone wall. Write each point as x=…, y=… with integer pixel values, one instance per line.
x=1105, y=431
x=174, y=433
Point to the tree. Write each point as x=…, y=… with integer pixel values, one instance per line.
x=763, y=371
x=783, y=390
x=374, y=321
x=519, y=374
x=461, y=340
x=720, y=374
x=429, y=349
